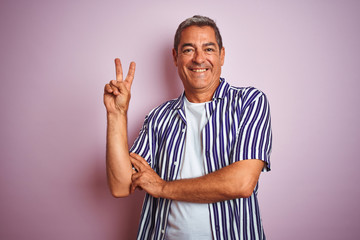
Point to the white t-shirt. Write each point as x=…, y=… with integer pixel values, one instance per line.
x=186, y=220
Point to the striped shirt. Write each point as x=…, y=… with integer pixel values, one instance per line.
x=239, y=128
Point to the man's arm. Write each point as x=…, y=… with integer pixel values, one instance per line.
x=116, y=100
x=237, y=180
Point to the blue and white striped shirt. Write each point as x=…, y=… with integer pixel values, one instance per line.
x=239, y=128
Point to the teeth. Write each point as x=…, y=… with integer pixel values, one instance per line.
x=199, y=70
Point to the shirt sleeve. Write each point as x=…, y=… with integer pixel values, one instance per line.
x=141, y=144
x=254, y=136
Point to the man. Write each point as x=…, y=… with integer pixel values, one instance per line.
x=198, y=157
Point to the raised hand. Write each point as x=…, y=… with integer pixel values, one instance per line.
x=117, y=92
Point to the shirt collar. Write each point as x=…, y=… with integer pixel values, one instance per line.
x=221, y=90
x=220, y=93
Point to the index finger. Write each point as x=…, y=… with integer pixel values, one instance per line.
x=131, y=73
x=138, y=162
x=118, y=70
x=135, y=164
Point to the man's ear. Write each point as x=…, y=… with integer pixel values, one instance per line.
x=222, y=56
x=174, y=53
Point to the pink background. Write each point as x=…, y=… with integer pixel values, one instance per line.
x=56, y=56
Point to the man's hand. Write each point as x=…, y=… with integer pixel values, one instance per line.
x=145, y=177
x=117, y=92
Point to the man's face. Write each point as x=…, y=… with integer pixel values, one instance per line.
x=199, y=60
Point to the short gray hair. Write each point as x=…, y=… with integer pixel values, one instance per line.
x=199, y=21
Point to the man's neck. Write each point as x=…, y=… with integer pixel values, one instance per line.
x=196, y=96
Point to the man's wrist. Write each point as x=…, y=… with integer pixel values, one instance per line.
x=116, y=115
x=165, y=191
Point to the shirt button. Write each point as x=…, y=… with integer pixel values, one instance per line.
x=175, y=163
x=163, y=231
x=183, y=130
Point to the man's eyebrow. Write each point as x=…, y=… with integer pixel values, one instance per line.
x=187, y=45
x=209, y=44
x=192, y=45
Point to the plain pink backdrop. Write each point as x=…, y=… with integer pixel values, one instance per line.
x=56, y=56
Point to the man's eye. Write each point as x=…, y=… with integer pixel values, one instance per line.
x=209, y=49
x=187, y=50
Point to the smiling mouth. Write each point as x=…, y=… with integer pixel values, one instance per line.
x=199, y=70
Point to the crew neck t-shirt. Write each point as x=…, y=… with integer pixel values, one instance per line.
x=191, y=221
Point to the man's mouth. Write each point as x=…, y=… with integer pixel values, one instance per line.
x=199, y=70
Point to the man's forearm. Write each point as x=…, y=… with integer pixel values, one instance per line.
x=237, y=180
x=118, y=164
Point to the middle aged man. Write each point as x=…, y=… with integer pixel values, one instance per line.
x=198, y=157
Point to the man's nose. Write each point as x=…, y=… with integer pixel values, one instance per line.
x=199, y=56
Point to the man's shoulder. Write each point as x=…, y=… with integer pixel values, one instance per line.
x=245, y=93
x=244, y=90
x=243, y=97
x=165, y=108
